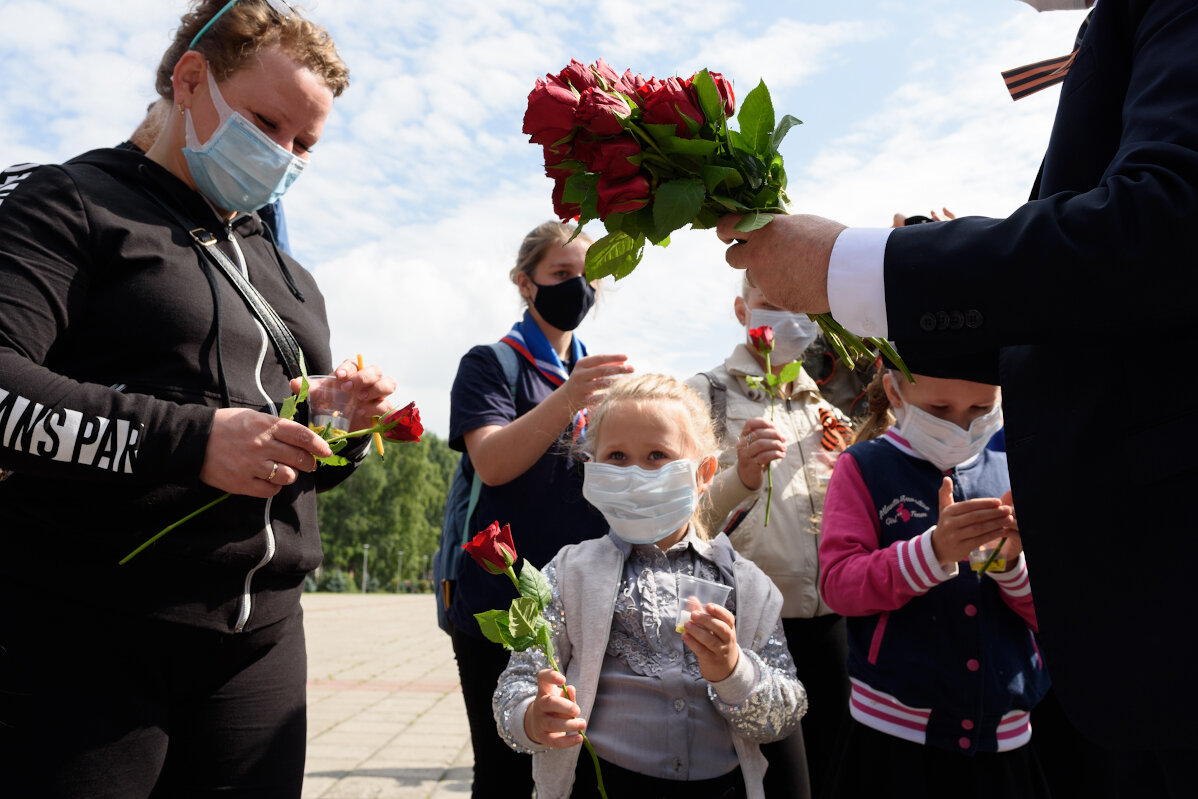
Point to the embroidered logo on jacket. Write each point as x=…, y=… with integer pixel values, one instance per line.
x=62, y=434
x=903, y=509
x=12, y=177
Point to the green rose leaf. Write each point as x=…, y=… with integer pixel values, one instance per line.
x=523, y=617
x=754, y=220
x=332, y=460
x=615, y=254
x=494, y=624
x=709, y=98
x=534, y=585
x=680, y=146
x=714, y=175
x=790, y=371
x=660, y=132
x=730, y=204
x=756, y=119
x=677, y=202
x=780, y=132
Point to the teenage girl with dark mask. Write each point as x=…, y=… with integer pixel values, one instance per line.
x=512, y=437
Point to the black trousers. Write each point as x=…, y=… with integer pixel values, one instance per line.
x=499, y=771
x=96, y=705
x=800, y=764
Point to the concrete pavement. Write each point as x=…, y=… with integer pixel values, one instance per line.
x=385, y=712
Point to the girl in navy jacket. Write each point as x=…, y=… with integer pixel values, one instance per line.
x=942, y=658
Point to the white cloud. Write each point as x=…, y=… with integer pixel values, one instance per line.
x=423, y=184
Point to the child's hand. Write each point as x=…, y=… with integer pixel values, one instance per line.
x=1014, y=545
x=711, y=635
x=552, y=719
x=964, y=526
x=591, y=376
x=759, y=444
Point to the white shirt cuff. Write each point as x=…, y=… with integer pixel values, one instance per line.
x=856, y=282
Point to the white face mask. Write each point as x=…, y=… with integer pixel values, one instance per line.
x=941, y=442
x=642, y=506
x=1057, y=5
x=793, y=333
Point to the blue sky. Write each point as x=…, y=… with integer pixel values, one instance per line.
x=422, y=187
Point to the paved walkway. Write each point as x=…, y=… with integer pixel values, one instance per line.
x=385, y=712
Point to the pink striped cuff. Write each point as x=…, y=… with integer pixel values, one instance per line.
x=1014, y=582
x=917, y=563
x=1014, y=730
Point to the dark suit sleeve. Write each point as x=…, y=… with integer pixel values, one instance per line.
x=1113, y=238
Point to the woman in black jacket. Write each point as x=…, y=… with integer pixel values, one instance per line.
x=135, y=386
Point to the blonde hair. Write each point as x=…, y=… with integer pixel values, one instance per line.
x=650, y=388
x=880, y=417
x=241, y=33
x=537, y=243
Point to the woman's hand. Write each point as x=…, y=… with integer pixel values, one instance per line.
x=711, y=635
x=552, y=719
x=370, y=388
x=759, y=445
x=590, y=377
x=256, y=454
x=964, y=526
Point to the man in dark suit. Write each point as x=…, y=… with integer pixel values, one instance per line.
x=1098, y=270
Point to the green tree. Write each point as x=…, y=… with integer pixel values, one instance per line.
x=393, y=504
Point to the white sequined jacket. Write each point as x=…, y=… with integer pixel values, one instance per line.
x=581, y=617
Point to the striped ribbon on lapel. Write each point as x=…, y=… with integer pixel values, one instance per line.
x=1031, y=78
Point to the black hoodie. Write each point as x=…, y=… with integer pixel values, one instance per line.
x=111, y=369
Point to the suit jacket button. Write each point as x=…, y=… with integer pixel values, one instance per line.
x=973, y=319
x=942, y=320
x=927, y=322
x=956, y=320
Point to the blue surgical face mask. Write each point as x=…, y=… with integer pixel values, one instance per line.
x=239, y=168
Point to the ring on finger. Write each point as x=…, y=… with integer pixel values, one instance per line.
x=274, y=469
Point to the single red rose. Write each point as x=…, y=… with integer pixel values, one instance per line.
x=550, y=114
x=609, y=157
x=606, y=72
x=405, y=424
x=673, y=104
x=630, y=82
x=622, y=196
x=579, y=75
x=724, y=87
x=646, y=88
x=600, y=112
x=762, y=339
x=493, y=548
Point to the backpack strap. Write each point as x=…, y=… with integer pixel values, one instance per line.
x=717, y=402
x=511, y=370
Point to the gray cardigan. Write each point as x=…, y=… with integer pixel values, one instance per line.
x=592, y=571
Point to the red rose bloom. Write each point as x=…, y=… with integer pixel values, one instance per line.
x=607, y=73
x=630, y=82
x=609, y=157
x=763, y=339
x=600, y=112
x=724, y=87
x=405, y=422
x=550, y=114
x=647, y=87
x=673, y=104
x=622, y=196
x=579, y=76
x=493, y=548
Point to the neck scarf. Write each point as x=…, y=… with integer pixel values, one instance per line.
x=528, y=340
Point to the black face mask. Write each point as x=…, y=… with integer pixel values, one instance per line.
x=564, y=305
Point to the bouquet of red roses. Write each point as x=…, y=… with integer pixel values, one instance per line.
x=648, y=156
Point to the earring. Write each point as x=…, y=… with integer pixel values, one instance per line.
x=180, y=107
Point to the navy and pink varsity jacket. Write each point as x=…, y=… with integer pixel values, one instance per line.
x=937, y=656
